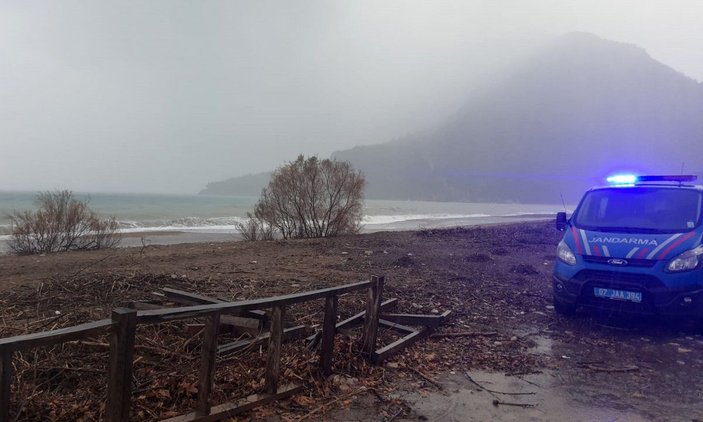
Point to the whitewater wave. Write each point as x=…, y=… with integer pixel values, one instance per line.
x=229, y=224
x=530, y=214
x=202, y=224
x=390, y=219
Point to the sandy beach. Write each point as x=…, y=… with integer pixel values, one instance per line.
x=138, y=238
x=173, y=237
x=494, y=279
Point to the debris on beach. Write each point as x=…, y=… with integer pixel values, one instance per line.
x=500, y=320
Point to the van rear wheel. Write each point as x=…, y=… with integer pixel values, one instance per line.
x=562, y=308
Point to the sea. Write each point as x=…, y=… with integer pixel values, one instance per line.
x=165, y=219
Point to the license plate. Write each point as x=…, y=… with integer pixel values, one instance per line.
x=618, y=294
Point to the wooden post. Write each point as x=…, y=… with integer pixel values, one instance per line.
x=5, y=383
x=273, y=362
x=328, y=331
x=373, y=310
x=208, y=356
x=119, y=389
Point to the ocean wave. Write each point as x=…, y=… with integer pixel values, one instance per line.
x=390, y=219
x=229, y=224
x=182, y=224
x=531, y=214
x=203, y=229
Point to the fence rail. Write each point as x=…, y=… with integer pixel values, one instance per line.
x=156, y=316
x=49, y=338
x=122, y=328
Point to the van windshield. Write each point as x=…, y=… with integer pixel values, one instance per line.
x=639, y=209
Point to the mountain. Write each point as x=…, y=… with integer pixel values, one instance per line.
x=249, y=185
x=580, y=109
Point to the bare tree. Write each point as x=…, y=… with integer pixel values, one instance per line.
x=61, y=223
x=253, y=229
x=313, y=198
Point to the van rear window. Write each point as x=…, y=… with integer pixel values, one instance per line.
x=640, y=209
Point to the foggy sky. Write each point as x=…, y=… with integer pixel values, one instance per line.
x=165, y=96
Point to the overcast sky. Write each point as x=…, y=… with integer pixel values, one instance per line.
x=165, y=96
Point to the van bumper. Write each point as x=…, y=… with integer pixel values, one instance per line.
x=657, y=300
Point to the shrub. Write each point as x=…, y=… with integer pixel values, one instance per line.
x=312, y=198
x=61, y=223
x=253, y=229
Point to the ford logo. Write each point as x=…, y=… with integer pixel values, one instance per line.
x=617, y=261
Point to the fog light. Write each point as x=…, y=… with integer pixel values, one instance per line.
x=687, y=300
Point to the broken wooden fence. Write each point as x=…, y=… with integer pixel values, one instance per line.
x=122, y=328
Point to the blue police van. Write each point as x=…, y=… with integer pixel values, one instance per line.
x=634, y=246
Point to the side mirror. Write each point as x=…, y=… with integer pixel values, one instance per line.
x=561, y=222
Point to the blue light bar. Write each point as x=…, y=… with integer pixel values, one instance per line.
x=622, y=179
x=631, y=179
x=668, y=178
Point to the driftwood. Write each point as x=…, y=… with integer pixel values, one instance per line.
x=497, y=403
x=426, y=378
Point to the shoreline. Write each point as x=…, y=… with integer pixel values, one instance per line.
x=175, y=237
x=137, y=239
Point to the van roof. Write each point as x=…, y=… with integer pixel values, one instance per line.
x=666, y=185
